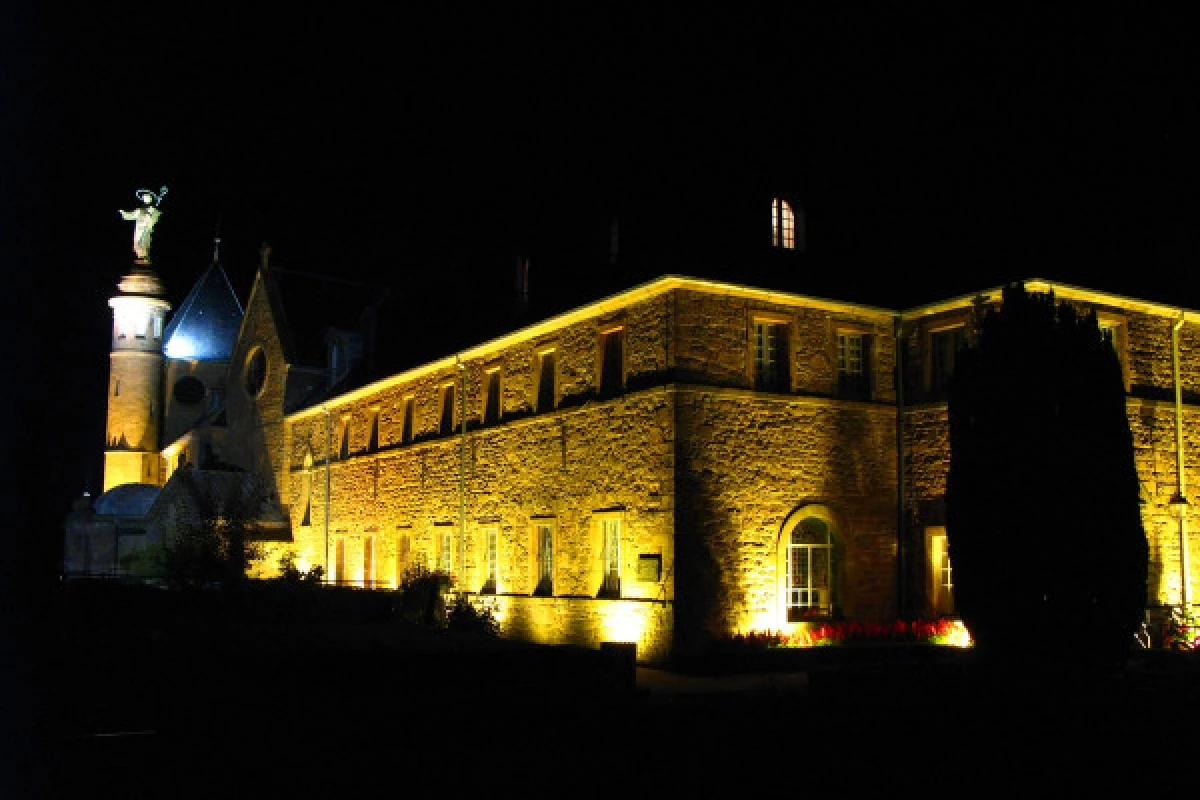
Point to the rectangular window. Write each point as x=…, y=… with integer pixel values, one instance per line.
x=611, y=542
x=140, y=326
x=345, y=445
x=854, y=366
x=546, y=394
x=447, y=421
x=403, y=556
x=445, y=551
x=158, y=327
x=339, y=563
x=612, y=362
x=369, y=561
x=944, y=346
x=491, y=396
x=491, y=547
x=373, y=437
x=941, y=572
x=1112, y=330
x=545, y=560
x=406, y=420
x=770, y=356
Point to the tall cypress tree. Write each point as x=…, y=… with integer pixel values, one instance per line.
x=1043, y=516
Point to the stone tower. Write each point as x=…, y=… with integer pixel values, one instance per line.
x=131, y=453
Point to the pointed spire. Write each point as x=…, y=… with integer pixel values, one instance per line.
x=264, y=254
x=217, y=241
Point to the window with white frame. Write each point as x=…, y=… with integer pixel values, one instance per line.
x=809, y=564
x=544, y=546
x=491, y=553
x=770, y=355
x=854, y=349
x=445, y=551
x=610, y=528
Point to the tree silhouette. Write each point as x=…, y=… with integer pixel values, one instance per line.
x=1043, y=520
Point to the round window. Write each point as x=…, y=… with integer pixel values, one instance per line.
x=188, y=390
x=255, y=373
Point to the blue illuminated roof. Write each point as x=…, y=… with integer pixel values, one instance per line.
x=206, y=325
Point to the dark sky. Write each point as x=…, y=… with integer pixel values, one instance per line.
x=938, y=149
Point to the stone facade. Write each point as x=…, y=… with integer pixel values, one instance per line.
x=699, y=458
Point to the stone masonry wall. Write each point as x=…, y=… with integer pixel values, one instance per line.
x=589, y=459
x=714, y=342
x=746, y=462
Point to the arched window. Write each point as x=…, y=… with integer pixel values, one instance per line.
x=808, y=565
x=783, y=224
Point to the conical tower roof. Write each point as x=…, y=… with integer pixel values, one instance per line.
x=206, y=325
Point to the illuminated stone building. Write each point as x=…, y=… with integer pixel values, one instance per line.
x=675, y=462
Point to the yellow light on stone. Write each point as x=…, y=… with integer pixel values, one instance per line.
x=624, y=622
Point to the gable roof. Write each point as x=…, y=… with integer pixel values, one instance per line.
x=206, y=325
x=306, y=306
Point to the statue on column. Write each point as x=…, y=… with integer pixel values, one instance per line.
x=143, y=220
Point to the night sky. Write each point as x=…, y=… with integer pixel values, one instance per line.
x=936, y=151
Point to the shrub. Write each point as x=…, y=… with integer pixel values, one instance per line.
x=466, y=617
x=292, y=575
x=422, y=597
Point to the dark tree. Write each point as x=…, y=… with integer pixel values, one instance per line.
x=1042, y=499
x=218, y=542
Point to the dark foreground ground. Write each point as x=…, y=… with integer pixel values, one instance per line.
x=108, y=711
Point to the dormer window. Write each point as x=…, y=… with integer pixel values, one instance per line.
x=783, y=224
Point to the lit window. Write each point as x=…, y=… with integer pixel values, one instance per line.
x=403, y=556
x=944, y=346
x=545, y=559
x=491, y=544
x=445, y=551
x=158, y=327
x=546, y=380
x=809, y=570
x=612, y=362
x=491, y=396
x=139, y=327
x=611, y=544
x=941, y=572
x=369, y=562
x=447, y=420
x=770, y=356
x=854, y=366
x=783, y=224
